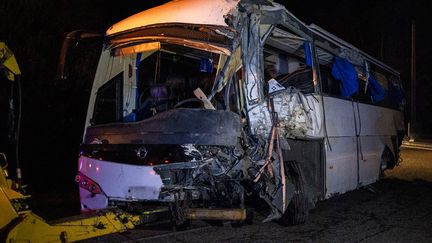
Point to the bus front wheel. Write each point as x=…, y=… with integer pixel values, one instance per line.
x=298, y=208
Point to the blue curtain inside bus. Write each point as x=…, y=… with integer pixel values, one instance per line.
x=308, y=53
x=344, y=71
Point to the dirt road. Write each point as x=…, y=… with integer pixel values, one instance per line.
x=395, y=209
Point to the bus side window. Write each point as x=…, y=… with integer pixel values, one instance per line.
x=109, y=102
x=384, y=83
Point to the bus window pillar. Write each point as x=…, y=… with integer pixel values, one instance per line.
x=252, y=59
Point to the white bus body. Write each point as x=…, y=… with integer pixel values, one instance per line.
x=272, y=120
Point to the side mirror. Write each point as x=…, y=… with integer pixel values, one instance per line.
x=72, y=39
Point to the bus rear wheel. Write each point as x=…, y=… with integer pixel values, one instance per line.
x=298, y=208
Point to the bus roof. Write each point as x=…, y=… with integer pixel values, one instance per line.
x=213, y=12
x=178, y=11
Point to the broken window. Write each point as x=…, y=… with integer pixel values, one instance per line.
x=159, y=76
x=167, y=79
x=285, y=60
x=329, y=84
x=289, y=70
x=301, y=80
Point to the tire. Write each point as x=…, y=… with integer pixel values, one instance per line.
x=298, y=208
x=388, y=158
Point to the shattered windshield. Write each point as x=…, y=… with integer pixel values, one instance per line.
x=165, y=78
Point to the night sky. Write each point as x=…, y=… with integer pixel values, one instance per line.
x=54, y=111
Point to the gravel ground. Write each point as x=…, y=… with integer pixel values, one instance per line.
x=397, y=211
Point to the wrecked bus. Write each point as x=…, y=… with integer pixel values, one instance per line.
x=198, y=104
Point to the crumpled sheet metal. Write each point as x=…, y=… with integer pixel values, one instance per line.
x=300, y=116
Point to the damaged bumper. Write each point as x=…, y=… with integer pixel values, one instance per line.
x=117, y=182
x=104, y=182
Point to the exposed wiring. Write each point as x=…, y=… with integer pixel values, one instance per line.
x=129, y=91
x=11, y=115
x=250, y=54
x=255, y=79
x=359, y=133
x=357, y=126
x=357, y=139
x=18, y=132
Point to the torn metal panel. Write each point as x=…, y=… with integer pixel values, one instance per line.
x=213, y=174
x=190, y=150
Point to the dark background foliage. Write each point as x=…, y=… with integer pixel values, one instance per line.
x=54, y=111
